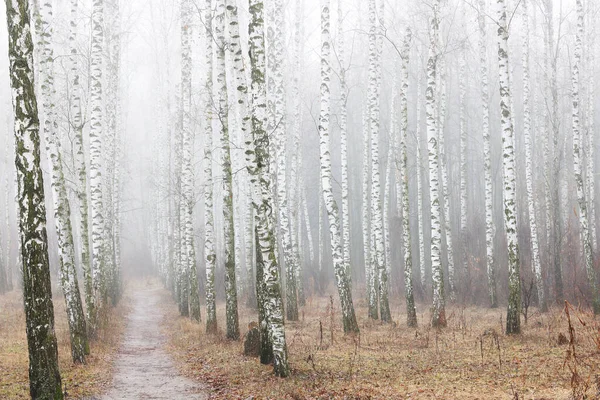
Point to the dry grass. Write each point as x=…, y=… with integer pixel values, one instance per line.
x=463, y=361
x=78, y=380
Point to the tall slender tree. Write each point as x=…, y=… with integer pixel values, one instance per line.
x=586, y=234
x=210, y=256
x=439, y=310
x=44, y=375
x=420, y=215
x=113, y=125
x=348, y=315
x=535, y=249
x=490, y=228
x=343, y=121
x=96, y=130
x=411, y=312
x=379, y=273
x=62, y=208
x=513, y=317
x=235, y=49
x=447, y=223
x=257, y=157
x=231, y=307
x=188, y=252
x=276, y=108
x=77, y=124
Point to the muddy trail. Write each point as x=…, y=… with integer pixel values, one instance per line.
x=143, y=369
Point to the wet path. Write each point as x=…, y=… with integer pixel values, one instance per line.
x=143, y=369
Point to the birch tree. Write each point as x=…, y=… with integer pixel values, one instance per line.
x=343, y=121
x=348, y=316
x=411, y=312
x=62, y=209
x=447, y=223
x=535, y=250
x=210, y=256
x=439, y=313
x=463, y=166
x=490, y=229
x=296, y=159
x=231, y=307
x=578, y=159
x=44, y=375
x=112, y=164
x=420, y=215
x=590, y=116
x=96, y=129
x=513, y=317
x=77, y=124
x=188, y=253
x=257, y=158
x=376, y=213
x=277, y=124
x=366, y=218
x=241, y=84
x=184, y=109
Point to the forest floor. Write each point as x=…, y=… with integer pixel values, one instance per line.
x=470, y=359
x=78, y=380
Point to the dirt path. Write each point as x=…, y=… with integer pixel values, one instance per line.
x=143, y=369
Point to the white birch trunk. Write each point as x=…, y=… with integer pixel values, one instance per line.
x=490, y=229
x=277, y=125
x=343, y=121
x=258, y=163
x=439, y=313
x=210, y=256
x=535, y=249
x=378, y=255
x=463, y=169
x=590, y=136
x=62, y=209
x=513, y=320
x=96, y=131
x=420, y=215
x=349, y=318
x=411, y=312
x=231, y=306
x=578, y=160
x=441, y=75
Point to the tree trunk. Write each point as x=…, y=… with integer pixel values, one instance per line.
x=411, y=312
x=210, y=256
x=348, y=316
x=513, y=317
x=231, y=308
x=437, y=274
x=447, y=224
x=44, y=376
x=258, y=163
x=96, y=130
x=535, y=250
x=490, y=228
x=577, y=161
x=62, y=208
x=187, y=167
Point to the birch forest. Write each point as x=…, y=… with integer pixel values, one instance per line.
x=309, y=199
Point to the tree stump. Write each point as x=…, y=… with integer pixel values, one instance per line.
x=252, y=341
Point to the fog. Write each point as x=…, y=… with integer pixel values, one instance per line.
x=396, y=158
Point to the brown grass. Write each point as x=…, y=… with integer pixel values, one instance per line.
x=78, y=380
x=463, y=361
